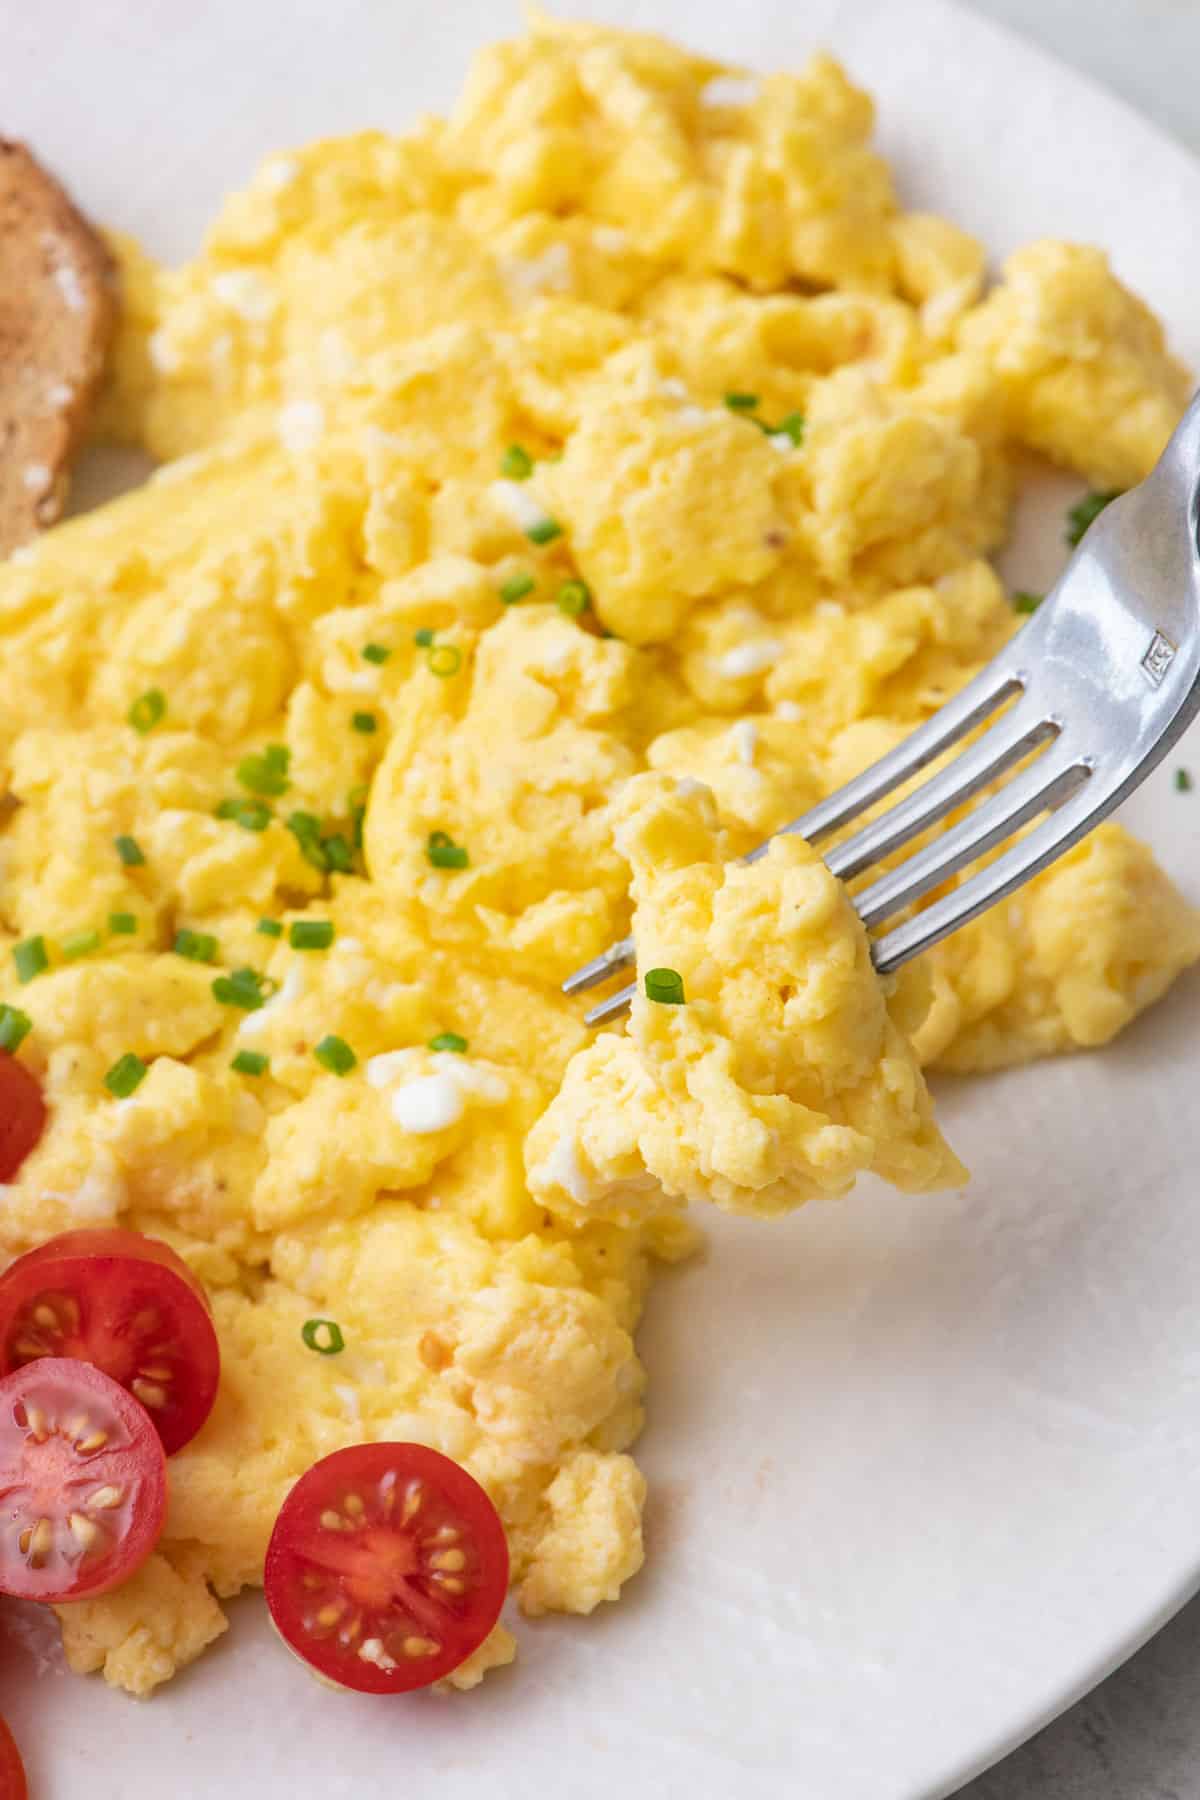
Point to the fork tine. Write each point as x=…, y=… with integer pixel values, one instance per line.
x=612, y=1007
x=609, y=961
x=1046, y=784
x=970, y=707
x=1000, y=746
x=981, y=697
x=1072, y=820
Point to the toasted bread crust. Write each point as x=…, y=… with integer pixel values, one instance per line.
x=58, y=309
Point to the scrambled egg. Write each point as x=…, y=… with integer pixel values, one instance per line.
x=617, y=434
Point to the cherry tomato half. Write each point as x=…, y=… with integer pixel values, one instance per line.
x=12, y=1769
x=83, y=1482
x=127, y=1304
x=22, y=1114
x=387, y=1567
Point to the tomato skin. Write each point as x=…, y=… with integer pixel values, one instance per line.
x=12, y=1769
x=98, y=1284
x=83, y=1482
x=22, y=1114
x=405, y=1586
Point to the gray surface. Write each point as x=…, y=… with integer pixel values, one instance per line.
x=1137, y=1737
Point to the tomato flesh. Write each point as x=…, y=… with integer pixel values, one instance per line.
x=22, y=1114
x=12, y=1769
x=83, y=1482
x=125, y=1303
x=387, y=1567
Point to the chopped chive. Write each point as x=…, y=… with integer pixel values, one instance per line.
x=147, y=710
x=444, y=853
x=122, y=924
x=126, y=1075
x=375, y=653
x=740, y=402
x=1086, y=511
x=516, y=588
x=324, y=1336
x=365, y=722
x=251, y=815
x=245, y=988
x=15, y=1027
x=197, y=946
x=305, y=827
x=80, y=943
x=30, y=958
x=792, y=426
x=574, y=598
x=311, y=934
x=357, y=815
x=1183, y=781
x=516, y=463
x=449, y=1040
x=269, y=927
x=250, y=1062
x=129, y=851
x=266, y=773
x=444, y=659
x=1025, y=602
x=338, y=853
x=423, y=637
x=544, y=532
x=665, y=986
x=335, y=1054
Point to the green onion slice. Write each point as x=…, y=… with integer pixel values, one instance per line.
x=251, y=815
x=444, y=853
x=250, y=1062
x=311, y=934
x=1086, y=511
x=574, y=598
x=449, y=1040
x=544, y=532
x=245, y=988
x=126, y=1076
x=423, y=637
x=741, y=402
x=365, y=722
x=129, y=851
x=338, y=853
x=266, y=773
x=1024, y=602
x=15, y=1027
x=375, y=653
x=197, y=946
x=305, y=827
x=516, y=463
x=80, y=943
x=122, y=924
x=334, y=1053
x=1183, y=781
x=147, y=710
x=665, y=986
x=270, y=927
x=516, y=588
x=30, y=958
x=324, y=1336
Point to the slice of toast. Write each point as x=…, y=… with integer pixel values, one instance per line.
x=58, y=308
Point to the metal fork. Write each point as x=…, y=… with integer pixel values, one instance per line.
x=1089, y=697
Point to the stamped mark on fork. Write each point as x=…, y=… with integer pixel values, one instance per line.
x=1158, y=659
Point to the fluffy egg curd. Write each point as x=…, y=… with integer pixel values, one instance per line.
x=553, y=501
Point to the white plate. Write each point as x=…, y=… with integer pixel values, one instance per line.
x=921, y=1471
